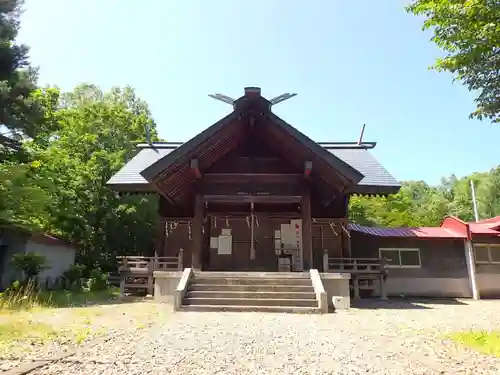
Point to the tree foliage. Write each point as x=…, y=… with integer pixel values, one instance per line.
x=418, y=204
x=58, y=182
x=21, y=115
x=469, y=32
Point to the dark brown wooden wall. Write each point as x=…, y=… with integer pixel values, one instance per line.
x=486, y=268
x=439, y=257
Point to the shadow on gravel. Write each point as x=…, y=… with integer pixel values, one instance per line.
x=404, y=303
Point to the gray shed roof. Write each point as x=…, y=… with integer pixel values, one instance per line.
x=376, y=177
x=376, y=180
x=129, y=177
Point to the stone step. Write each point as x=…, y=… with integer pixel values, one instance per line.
x=252, y=275
x=250, y=281
x=237, y=308
x=251, y=302
x=251, y=288
x=252, y=295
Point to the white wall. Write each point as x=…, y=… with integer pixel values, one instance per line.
x=58, y=257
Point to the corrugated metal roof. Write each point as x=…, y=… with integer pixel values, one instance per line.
x=374, y=173
x=130, y=174
x=484, y=228
x=419, y=232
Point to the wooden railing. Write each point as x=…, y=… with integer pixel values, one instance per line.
x=354, y=265
x=141, y=264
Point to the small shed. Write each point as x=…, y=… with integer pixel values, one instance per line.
x=59, y=254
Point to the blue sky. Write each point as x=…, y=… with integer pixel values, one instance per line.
x=350, y=63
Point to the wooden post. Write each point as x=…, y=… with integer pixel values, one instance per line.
x=355, y=284
x=180, y=260
x=383, y=290
x=159, y=238
x=122, y=285
x=325, y=260
x=307, y=230
x=197, y=241
x=151, y=266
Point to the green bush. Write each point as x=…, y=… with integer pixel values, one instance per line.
x=30, y=264
x=73, y=275
x=98, y=280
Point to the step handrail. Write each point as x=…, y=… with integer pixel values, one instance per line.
x=319, y=290
x=181, y=289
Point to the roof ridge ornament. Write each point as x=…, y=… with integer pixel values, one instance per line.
x=281, y=98
x=252, y=92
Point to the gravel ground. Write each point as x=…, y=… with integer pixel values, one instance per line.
x=73, y=328
x=396, y=337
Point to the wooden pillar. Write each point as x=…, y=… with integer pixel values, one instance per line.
x=383, y=291
x=307, y=230
x=159, y=238
x=197, y=234
x=355, y=284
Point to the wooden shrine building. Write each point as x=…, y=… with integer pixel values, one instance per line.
x=252, y=188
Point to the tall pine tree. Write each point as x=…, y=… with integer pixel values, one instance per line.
x=20, y=112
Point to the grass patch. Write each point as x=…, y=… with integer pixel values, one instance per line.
x=24, y=332
x=486, y=342
x=28, y=297
x=68, y=298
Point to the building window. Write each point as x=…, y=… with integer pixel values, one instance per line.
x=401, y=258
x=487, y=253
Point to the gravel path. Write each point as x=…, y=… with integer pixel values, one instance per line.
x=378, y=338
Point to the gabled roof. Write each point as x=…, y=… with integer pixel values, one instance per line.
x=350, y=173
x=353, y=168
x=376, y=179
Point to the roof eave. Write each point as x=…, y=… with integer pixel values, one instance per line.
x=374, y=189
x=351, y=174
x=132, y=188
x=151, y=172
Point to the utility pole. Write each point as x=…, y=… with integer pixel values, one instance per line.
x=474, y=203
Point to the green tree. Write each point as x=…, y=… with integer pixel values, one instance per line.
x=469, y=32
x=23, y=199
x=94, y=136
x=20, y=112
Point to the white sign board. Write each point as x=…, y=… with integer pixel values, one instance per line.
x=214, y=242
x=225, y=245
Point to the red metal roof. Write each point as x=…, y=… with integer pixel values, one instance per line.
x=419, y=232
x=452, y=227
x=488, y=226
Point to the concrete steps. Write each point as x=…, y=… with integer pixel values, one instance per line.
x=252, y=288
x=249, y=291
x=250, y=294
x=270, y=309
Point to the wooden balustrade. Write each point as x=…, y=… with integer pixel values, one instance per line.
x=142, y=264
x=353, y=265
x=361, y=269
x=141, y=268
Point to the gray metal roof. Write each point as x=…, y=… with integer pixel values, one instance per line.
x=376, y=180
x=130, y=174
x=375, y=175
